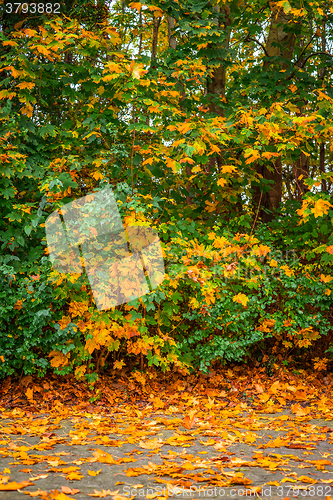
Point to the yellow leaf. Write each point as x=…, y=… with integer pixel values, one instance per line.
x=94, y=472
x=325, y=279
x=117, y=365
x=209, y=442
x=26, y=85
x=97, y=175
x=148, y=161
x=43, y=50
x=306, y=479
x=13, y=486
x=241, y=298
x=74, y=476
x=30, y=32
x=80, y=371
x=289, y=272
x=6, y=94
x=321, y=208
x=27, y=110
x=226, y=169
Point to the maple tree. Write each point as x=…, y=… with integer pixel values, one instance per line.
x=212, y=122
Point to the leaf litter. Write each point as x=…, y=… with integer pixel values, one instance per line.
x=179, y=431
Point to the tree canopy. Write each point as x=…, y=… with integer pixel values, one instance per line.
x=212, y=121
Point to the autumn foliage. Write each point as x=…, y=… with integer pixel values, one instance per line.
x=217, y=138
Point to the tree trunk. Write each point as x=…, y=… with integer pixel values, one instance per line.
x=171, y=38
x=280, y=43
x=271, y=199
x=156, y=25
x=217, y=83
x=216, y=89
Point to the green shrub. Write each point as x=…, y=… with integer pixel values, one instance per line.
x=28, y=313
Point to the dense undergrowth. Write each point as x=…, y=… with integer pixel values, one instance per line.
x=234, y=294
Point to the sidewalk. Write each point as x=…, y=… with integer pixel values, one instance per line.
x=199, y=448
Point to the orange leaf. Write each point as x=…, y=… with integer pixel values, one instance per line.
x=151, y=444
x=74, y=476
x=94, y=472
x=70, y=491
x=69, y=469
x=136, y=5
x=189, y=421
x=30, y=394
x=55, y=495
x=15, y=486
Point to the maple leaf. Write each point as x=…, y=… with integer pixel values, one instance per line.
x=225, y=169
x=74, y=476
x=56, y=495
x=13, y=486
x=30, y=394
x=325, y=279
x=136, y=5
x=70, y=491
x=117, y=365
x=27, y=110
x=268, y=155
x=58, y=358
x=185, y=127
x=151, y=444
x=251, y=155
x=94, y=472
x=189, y=421
x=136, y=70
x=241, y=298
x=321, y=208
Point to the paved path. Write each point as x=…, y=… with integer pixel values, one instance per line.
x=141, y=452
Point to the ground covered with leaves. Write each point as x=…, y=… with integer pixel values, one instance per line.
x=236, y=432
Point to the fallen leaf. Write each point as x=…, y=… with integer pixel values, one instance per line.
x=70, y=491
x=15, y=486
x=94, y=472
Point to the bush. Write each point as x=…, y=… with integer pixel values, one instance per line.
x=28, y=312
x=248, y=300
